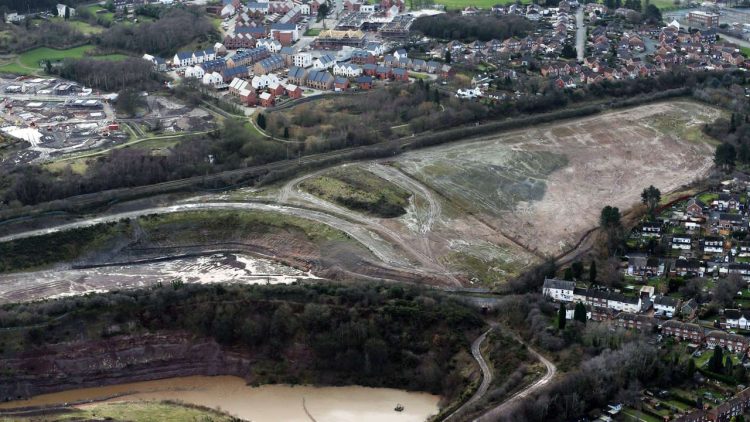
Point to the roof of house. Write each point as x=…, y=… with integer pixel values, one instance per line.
x=296, y=72
x=320, y=76
x=364, y=80
x=556, y=283
x=341, y=80
x=666, y=301
x=284, y=26
x=287, y=51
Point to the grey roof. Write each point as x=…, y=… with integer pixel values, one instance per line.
x=286, y=50
x=340, y=80
x=296, y=72
x=364, y=80
x=665, y=301
x=284, y=26
x=555, y=283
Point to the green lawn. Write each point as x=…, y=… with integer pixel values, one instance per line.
x=107, y=16
x=481, y=4
x=630, y=414
x=745, y=51
x=312, y=32
x=28, y=62
x=707, y=198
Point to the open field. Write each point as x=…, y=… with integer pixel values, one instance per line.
x=358, y=189
x=481, y=4
x=28, y=62
x=544, y=187
x=136, y=411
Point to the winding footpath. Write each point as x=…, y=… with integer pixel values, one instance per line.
x=476, y=352
x=495, y=414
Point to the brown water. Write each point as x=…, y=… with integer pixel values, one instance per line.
x=268, y=403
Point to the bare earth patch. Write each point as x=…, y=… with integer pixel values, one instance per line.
x=544, y=187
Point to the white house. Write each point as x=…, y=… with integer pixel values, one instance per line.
x=559, y=290
x=212, y=78
x=665, y=305
x=61, y=9
x=347, y=69
x=682, y=242
x=302, y=60
x=194, y=72
x=264, y=81
x=274, y=46
x=228, y=11
x=400, y=54
x=326, y=61
x=624, y=303
x=737, y=318
x=183, y=58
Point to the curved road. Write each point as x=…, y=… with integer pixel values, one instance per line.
x=476, y=351
x=495, y=413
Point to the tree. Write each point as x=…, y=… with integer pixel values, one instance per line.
x=725, y=155
x=577, y=268
x=592, y=272
x=447, y=56
x=651, y=197
x=716, y=363
x=286, y=132
x=568, y=276
x=728, y=365
x=67, y=13
x=726, y=289
x=744, y=153
x=690, y=368
x=580, y=312
x=561, y=317
x=568, y=51
x=128, y=102
x=652, y=14
x=262, y=121
x=611, y=224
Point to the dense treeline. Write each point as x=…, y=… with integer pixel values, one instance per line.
x=374, y=335
x=231, y=147
x=453, y=26
x=110, y=75
x=26, y=6
x=177, y=27
x=49, y=34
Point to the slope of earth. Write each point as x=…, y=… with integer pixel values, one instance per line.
x=544, y=187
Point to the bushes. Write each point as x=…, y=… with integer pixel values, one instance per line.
x=325, y=333
x=483, y=28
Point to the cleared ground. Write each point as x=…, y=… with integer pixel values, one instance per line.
x=359, y=190
x=545, y=186
x=479, y=211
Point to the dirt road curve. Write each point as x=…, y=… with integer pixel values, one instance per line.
x=476, y=351
x=495, y=413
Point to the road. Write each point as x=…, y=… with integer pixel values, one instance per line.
x=476, y=352
x=580, y=35
x=379, y=243
x=417, y=245
x=495, y=413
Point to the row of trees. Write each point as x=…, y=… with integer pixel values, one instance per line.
x=109, y=75
x=175, y=28
x=453, y=26
x=374, y=335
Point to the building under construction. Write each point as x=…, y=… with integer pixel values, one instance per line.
x=334, y=40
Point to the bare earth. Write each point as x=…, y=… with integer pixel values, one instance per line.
x=481, y=210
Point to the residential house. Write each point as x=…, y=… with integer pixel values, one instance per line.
x=364, y=82
x=320, y=79
x=631, y=321
x=324, y=62
x=260, y=82
x=559, y=290
x=266, y=99
x=340, y=83
x=269, y=64
x=713, y=244
x=689, y=309
x=683, y=242
x=665, y=305
x=297, y=75
x=347, y=69
x=732, y=342
x=303, y=60
x=293, y=91
x=737, y=318
x=272, y=45
x=695, y=208
x=733, y=222
x=213, y=79
x=400, y=74
x=683, y=331
x=651, y=229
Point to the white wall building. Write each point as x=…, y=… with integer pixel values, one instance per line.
x=302, y=59
x=559, y=290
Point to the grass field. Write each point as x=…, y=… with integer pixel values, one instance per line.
x=360, y=190
x=141, y=412
x=107, y=16
x=312, y=32
x=28, y=62
x=481, y=4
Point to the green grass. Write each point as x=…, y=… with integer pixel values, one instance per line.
x=481, y=4
x=707, y=198
x=32, y=58
x=745, y=51
x=141, y=412
x=106, y=16
x=312, y=32
x=15, y=68
x=629, y=414
x=359, y=190
x=199, y=226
